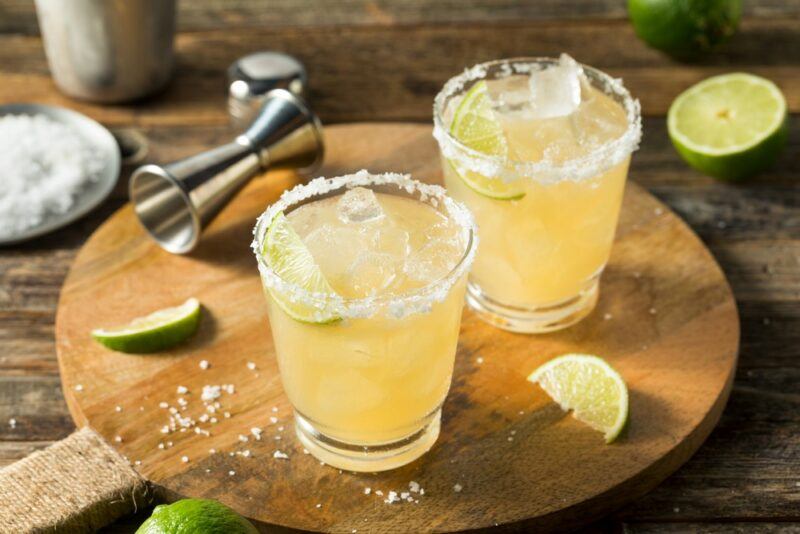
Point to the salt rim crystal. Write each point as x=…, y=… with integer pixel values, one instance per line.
x=590, y=165
x=417, y=301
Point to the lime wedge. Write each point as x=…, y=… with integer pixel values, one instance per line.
x=589, y=387
x=730, y=126
x=291, y=260
x=475, y=126
x=158, y=331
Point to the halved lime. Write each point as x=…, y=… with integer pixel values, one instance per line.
x=159, y=330
x=291, y=260
x=475, y=125
x=589, y=387
x=730, y=126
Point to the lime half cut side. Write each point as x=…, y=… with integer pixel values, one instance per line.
x=730, y=126
x=589, y=387
x=475, y=126
x=287, y=255
x=157, y=331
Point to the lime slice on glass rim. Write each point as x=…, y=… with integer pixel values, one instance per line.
x=730, y=126
x=159, y=330
x=589, y=387
x=476, y=127
x=287, y=255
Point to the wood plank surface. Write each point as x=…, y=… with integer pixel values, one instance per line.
x=393, y=73
x=356, y=50
x=18, y=16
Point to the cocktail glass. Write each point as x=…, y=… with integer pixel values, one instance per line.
x=545, y=187
x=367, y=363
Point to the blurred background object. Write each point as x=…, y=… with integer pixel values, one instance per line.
x=108, y=50
x=685, y=29
x=251, y=77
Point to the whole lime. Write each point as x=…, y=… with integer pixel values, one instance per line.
x=684, y=29
x=195, y=516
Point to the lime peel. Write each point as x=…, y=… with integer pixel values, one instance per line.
x=157, y=331
x=590, y=387
x=476, y=127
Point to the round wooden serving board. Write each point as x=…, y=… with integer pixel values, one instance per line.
x=666, y=320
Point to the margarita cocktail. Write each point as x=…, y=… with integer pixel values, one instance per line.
x=538, y=149
x=365, y=278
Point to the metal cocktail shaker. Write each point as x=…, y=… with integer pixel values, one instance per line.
x=108, y=50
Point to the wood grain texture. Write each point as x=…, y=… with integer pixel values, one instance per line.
x=762, y=270
x=678, y=362
x=393, y=73
x=18, y=16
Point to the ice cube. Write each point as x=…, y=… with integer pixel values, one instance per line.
x=556, y=91
x=393, y=241
x=433, y=261
x=358, y=205
x=371, y=274
x=334, y=247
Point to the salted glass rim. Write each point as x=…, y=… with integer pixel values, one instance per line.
x=419, y=300
x=599, y=160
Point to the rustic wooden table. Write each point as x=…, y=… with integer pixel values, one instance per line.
x=385, y=60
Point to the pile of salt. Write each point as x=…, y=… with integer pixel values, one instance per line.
x=44, y=164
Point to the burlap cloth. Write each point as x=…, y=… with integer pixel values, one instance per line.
x=76, y=485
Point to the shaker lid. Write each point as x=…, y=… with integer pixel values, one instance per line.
x=260, y=72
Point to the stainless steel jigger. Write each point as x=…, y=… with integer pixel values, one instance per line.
x=175, y=202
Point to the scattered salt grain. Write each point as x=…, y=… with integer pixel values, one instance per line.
x=319, y=505
x=78, y=387
x=367, y=491
x=607, y=316
x=210, y=393
x=184, y=459
x=231, y=473
x=226, y=415
x=273, y=420
x=280, y=455
x=182, y=390
x=479, y=360
x=379, y=493
x=204, y=364
x=652, y=311
x=280, y=429
x=46, y=164
x=163, y=405
x=457, y=488
x=413, y=487
x=251, y=366
x=12, y=423
x=118, y=439
x=242, y=438
x=391, y=498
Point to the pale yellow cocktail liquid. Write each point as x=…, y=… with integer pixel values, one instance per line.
x=376, y=375
x=543, y=249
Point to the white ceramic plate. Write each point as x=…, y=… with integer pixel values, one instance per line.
x=95, y=192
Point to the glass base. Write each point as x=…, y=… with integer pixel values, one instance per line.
x=368, y=458
x=534, y=320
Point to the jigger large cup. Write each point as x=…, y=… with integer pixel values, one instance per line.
x=175, y=202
